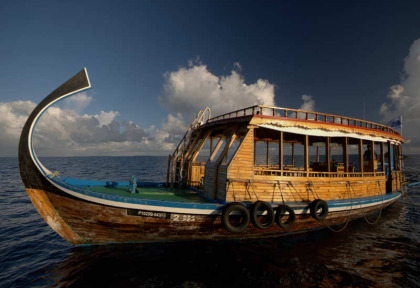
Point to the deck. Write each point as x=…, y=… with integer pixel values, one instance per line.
x=153, y=193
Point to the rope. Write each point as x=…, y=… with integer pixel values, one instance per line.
x=289, y=183
x=413, y=184
x=281, y=193
x=406, y=196
x=55, y=173
x=312, y=189
x=380, y=211
x=348, y=214
x=233, y=189
x=252, y=186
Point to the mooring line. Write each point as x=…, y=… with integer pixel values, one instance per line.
x=380, y=211
x=348, y=215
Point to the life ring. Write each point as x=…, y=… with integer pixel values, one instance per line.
x=235, y=217
x=258, y=218
x=281, y=212
x=319, y=209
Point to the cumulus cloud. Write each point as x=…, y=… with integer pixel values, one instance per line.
x=76, y=102
x=404, y=99
x=12, y=118
x=66, y=132
x=191, y=89
x=308, y=103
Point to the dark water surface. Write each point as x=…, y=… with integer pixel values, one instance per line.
x=32, y=255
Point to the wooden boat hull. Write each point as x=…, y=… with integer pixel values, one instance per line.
x=82, y=222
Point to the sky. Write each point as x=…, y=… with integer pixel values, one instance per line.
x=154, y=64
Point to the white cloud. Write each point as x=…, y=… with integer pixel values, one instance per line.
x=191, y=89
x=404, y=99
x=308, y=103
x=106, y=118
x=65, y=132
x=77, y=102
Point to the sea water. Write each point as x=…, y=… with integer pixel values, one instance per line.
x=33, y=255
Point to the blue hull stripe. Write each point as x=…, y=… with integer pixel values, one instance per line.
x=205, y=206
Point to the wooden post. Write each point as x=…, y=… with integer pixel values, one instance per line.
x=361, y=163
x=372, y=157
x=317, y=154
x=267, y=155
x=293, y=154
x=382, y=157
x=389, y=157
x=346, y=155
x=255, y=148
x=328, y=154
x=306, y=154
x=211, y=146
x=281, y=152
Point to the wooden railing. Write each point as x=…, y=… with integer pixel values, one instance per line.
x=301, y=173
x=302, y=114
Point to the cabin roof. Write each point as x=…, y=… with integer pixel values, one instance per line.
x=307, y=123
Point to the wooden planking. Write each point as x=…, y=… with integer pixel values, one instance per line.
x=103, y=224
x=242, y=164
x=302, y=191
x=53, y=218
x=208, y=184
x=221, y=182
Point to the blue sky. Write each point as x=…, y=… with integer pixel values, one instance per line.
x=342, y=53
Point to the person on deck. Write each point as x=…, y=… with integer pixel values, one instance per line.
x=367, y=155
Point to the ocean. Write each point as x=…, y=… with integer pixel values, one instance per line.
x=33, y=255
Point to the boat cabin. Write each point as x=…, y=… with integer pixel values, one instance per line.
x=277, y=154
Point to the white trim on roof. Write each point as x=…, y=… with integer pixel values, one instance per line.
x=324, y=132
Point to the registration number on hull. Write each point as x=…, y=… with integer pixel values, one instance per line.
x=163, y=215
x=134, y=212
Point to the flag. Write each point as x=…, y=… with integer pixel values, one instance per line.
x=396, y=123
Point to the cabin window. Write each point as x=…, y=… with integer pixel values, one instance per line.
x=205, y=152
x=273, y=154
x=378, y=152
x=337, y=155
x=386, y=158
x=317, y=157
x=294, y=151
x=261, y=153
x=370, y=156
x=322, y=154
x=392, y=157
x=353, y=155
x=233, y=148
x=288, y=154
x=219, y=148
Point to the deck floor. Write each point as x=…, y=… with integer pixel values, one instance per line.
x=153, y=193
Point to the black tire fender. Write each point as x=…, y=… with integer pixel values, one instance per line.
x=235, y=208
x=319, y=209
x=281, y=212
x=265, y=207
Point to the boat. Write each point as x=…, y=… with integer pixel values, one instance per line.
x=256, y=172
